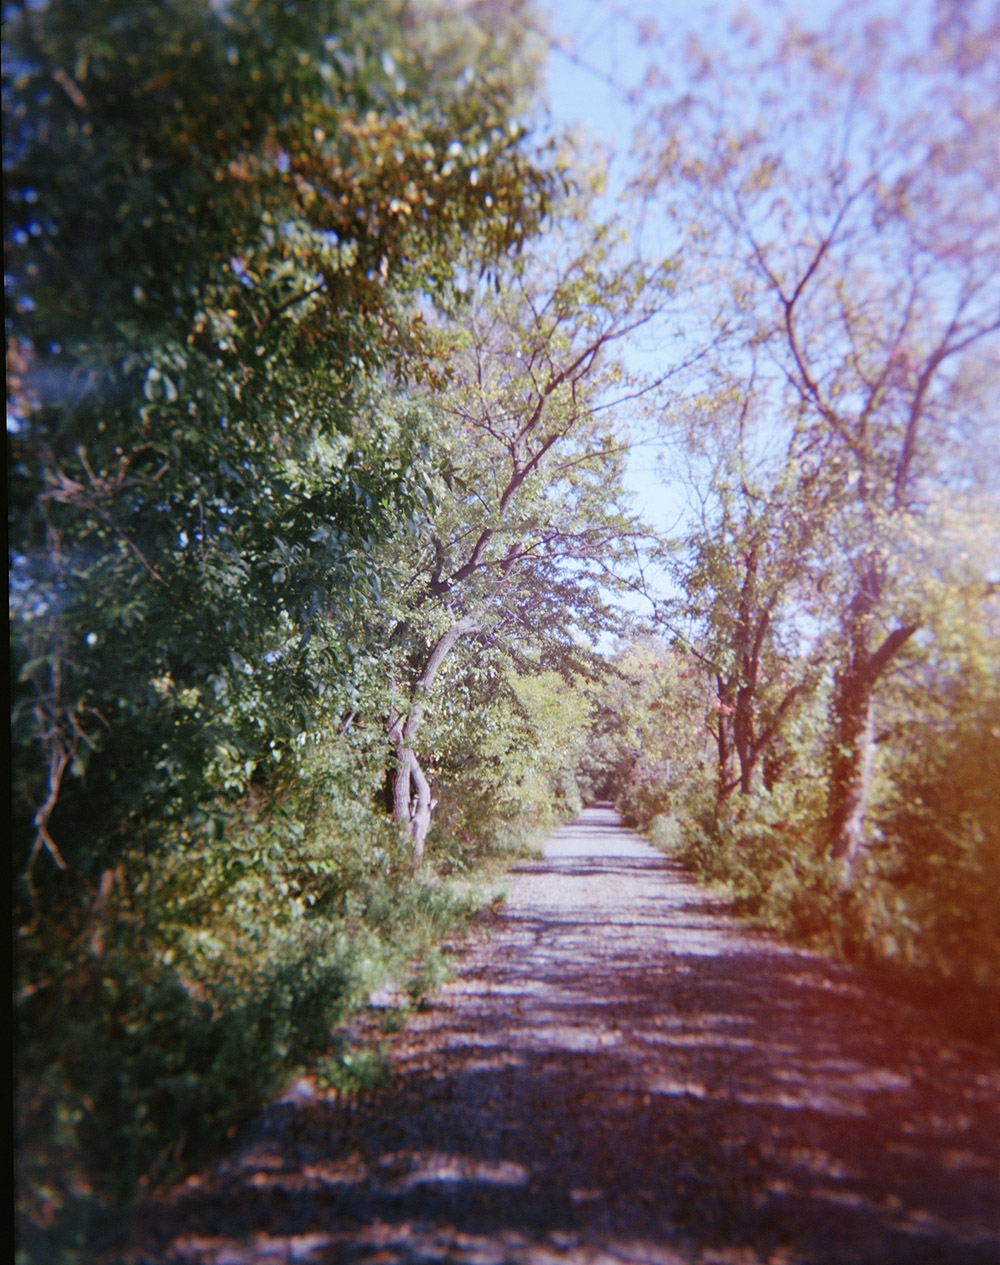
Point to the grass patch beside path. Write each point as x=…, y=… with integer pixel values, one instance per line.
x=139, y=1064
x=778, y=884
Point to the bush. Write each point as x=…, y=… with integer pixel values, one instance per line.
x=642, y=795
x=766, y=851
x=925, y=893
x=931, y=885
x=217, y=974
x=666, y=833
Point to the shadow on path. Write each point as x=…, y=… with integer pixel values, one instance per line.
x=621, y=1073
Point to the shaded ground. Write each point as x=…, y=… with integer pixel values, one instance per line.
x=621, y=1073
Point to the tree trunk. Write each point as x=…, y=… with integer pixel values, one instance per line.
x=851, y=766
x=412, y=801
x=724, y=741
x=852, y=754
x=411, y=798
x=743, y=736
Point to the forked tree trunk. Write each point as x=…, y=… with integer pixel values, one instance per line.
x=412, y=801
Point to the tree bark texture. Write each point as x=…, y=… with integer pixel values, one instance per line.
x=853, y=706
x=412, y=800
x=724, y=741
x=743, y=735
x=851, y=766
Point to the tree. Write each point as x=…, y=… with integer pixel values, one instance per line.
x=861, y=264
x=936, y=838
x=649, y=747
x=228, y=225
x=743, y=581
x=233, y=231
x=526, y=526
x=503, y=745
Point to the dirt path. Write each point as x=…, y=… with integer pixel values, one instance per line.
x=620, y=1073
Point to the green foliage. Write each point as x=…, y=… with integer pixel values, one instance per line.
x=924, y=893
x=839, y=583
x=506, y=764
x=354, y=1070
x=235, y=234
x=213, y=980
x=666, y=833
x=767, y=854
x=935, y=856
x=647, y=747
x=257, y=208
x=313, y=464
x=530, y=533
x=853, y=336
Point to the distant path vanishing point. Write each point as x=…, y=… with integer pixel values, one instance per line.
x=621, y=1073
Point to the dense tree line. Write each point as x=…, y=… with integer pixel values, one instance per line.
x=319, y=371
x=835, y=194
x=313, y=522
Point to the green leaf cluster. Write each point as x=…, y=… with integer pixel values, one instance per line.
x=238, y=237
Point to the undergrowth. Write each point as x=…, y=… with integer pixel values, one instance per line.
x=216, y=975
x=922, y=909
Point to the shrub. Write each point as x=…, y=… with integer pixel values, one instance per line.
x=666, y=833
x=766, y=851
x=932, y=882
x=217, y=974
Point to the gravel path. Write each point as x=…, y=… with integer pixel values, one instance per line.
x=620, y=1073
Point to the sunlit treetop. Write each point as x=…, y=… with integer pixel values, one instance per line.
x=274, y=151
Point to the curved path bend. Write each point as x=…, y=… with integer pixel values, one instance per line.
x=621, y=1073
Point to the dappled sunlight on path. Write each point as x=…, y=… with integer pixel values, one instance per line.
x=622, y=1073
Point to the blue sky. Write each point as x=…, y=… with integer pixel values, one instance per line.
x=587, y=89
